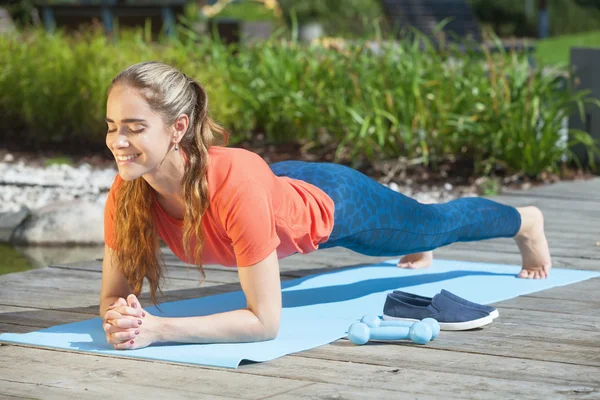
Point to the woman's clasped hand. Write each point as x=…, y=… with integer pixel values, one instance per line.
x=128, y=326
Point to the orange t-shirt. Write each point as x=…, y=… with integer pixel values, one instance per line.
x=251, y=213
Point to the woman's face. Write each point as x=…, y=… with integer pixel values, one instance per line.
x=136, y=135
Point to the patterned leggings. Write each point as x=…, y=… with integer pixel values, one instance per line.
x=374, y=220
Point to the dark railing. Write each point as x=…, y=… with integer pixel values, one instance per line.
x=71, y=15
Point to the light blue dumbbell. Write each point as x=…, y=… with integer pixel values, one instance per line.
x=360, y=333
x=374, y=321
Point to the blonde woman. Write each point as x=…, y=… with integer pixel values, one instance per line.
x=177, y=180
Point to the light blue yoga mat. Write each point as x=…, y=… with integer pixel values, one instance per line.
x=317, y=309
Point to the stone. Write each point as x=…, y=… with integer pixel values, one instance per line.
x=6, y=23
x=394, y=186
x=74, y=222
x=9, y=221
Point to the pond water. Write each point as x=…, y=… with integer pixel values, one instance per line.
x=17, y=259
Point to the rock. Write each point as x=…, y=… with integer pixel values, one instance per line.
x=6, y=22
x=426, y=198
x=394, y=186
x=11, y=220
x=63, y=223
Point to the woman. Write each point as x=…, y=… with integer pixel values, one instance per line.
x=214, y=204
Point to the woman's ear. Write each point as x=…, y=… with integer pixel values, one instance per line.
x=180, y=126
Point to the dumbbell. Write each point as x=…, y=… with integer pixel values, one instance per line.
x=374, y=321
x=360, y=333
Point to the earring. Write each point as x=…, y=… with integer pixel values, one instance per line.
x=176, y=148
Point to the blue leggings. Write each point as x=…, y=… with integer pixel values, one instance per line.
x=374, y=220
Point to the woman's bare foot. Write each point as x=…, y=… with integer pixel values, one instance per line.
x=416, y=260
x=533, y=245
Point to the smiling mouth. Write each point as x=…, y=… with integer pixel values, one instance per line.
x=127, y=158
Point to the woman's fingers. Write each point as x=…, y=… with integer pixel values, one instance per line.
x=128, y=345
x=123, y=311
x=113, y=315
x=120, y=337
x=120, y=302
x=115, y=325
x=132, y=301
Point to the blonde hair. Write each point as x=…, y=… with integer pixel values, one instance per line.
x=169, y=93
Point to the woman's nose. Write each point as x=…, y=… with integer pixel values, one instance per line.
x=120, y=141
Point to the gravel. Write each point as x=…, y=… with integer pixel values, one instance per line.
x=34, y=186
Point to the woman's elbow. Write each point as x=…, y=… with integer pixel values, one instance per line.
x=269, y=330
x=271, y=333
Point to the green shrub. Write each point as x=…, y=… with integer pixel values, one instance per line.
x=340, y=18
x=508, y=18
x=410, y=100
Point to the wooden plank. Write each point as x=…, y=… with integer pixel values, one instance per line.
x=12, y=328
x=75, y=290
x=552, y=305
x=549, y=203
x=544, y=334
x=83, y=373
x=511, y=258
x=507, y=345
x=545, y=340
x=567, y=190
x=574, y=244
x=76, y=300
x=541, y=320
x=180, y=271
x=586, y=291
x=425, y=360
x=39, y=318
x=504, y=246
x=328, y=391
x=401, y=378
x=324, y=259
x=477, y=390
x=519, y=344
x=31, y=389
x=355, y=377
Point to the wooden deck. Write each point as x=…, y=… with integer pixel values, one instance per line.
x=544, y=345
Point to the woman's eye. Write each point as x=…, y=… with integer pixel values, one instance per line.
x=130, y=131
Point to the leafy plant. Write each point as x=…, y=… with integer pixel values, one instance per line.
x=367, y=101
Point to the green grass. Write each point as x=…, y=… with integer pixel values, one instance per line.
x=553, y=51
x=12, y=260
x=59, y=160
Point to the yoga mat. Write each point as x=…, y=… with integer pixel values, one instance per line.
x=317, y=309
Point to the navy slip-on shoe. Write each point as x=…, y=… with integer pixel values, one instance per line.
x=489, y=309
x=451, y=315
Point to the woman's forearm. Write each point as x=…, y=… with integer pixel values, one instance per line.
x=232, y=326
x=105, y=302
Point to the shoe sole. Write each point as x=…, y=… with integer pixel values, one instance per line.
x=451, y=326
x=494, y=314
